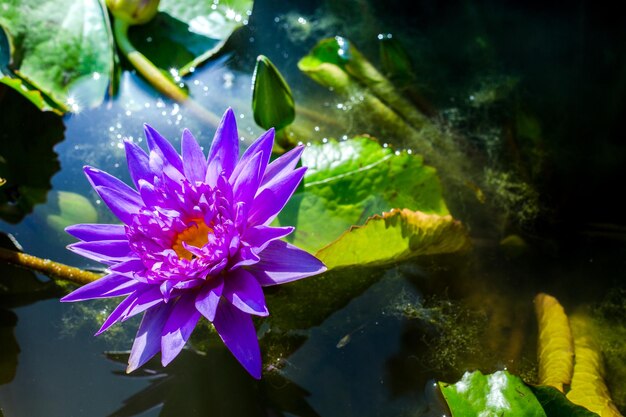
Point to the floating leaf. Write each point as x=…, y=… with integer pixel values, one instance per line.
x=395, y=236
x=61, y=48
x=498, y=394
x=555, y=348
x=556, y=404
x=28, y=159
x=349, y=181
x=185, y=33
x=588, y=387
x=72, y=209
x=272, y=102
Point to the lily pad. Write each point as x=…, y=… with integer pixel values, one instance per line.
x=498, y=394
x=70, y=208
x=186, y=33
x=61, y=48
x=555, y=348
x=395, y=236
x=349, y=181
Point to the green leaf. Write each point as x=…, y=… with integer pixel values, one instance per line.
x=185, y=33
x=349, y=181
x=498, y=394
x=61, y=48
x=556, y=404
x=272, y=102
x=69, y=208
x=395, y=236
x=28, y=160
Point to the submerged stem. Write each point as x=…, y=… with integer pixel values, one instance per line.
x=48, y=267
x=155, y=76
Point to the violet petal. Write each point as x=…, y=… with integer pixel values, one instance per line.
x=282, y=262
x=178, y=328
x=194, y=163
x=271, y=200
x=138, y=163
x=243, y=291
x=111, y=285
x=106, y=251
x=209, y=296
x=264, y=144
x=148, y=340
x=238, y=334
x=224, y=149
x=159, y=144
x=122, y=205
x=247, y=183
x=282, y=165
x=93, y=232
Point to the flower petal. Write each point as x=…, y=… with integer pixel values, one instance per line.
x=237, y=331
x=138, y=163
x=224, y=149
x=148, y=340
x=194, y=162
x=258, y=237
x=132, y=268
x=282, y=165
x=137, y=302
x=178, y=328
x=271, y=200
x=121, y=204
x=264, y=144
x=93, y=232
x=282, y=262
x=105, y=251
x=161, y=146
x=111, y=285
x=246, y=184
x=209, y=296
x=244, y=292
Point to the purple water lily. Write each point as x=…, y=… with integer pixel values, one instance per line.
x=195, y=241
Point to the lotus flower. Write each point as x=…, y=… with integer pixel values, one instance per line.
x=195, y=241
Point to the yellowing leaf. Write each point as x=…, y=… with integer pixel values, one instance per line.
x=555, y=349
x=395, y=236
x=588, y=388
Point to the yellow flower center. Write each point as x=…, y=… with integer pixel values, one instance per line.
x=195, y=235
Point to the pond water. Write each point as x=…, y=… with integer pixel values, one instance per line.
x=494, y=72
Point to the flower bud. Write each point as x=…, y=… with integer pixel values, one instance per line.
x=133, y=12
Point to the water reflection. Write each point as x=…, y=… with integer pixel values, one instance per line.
x=18, y=288
x=212, y=383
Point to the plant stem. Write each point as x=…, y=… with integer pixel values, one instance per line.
x=48, y=267
x=154, y=75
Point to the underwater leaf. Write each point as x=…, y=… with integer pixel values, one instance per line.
x=498, y=394
x=61, y=48
x=349, y=181
x=337, y=58
x=28, y=159
x=69, y=208
x=272, y=102
x=395, y=236
x=556, y=404
x=555, y=349
x=185, y=33
x=588, y=388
